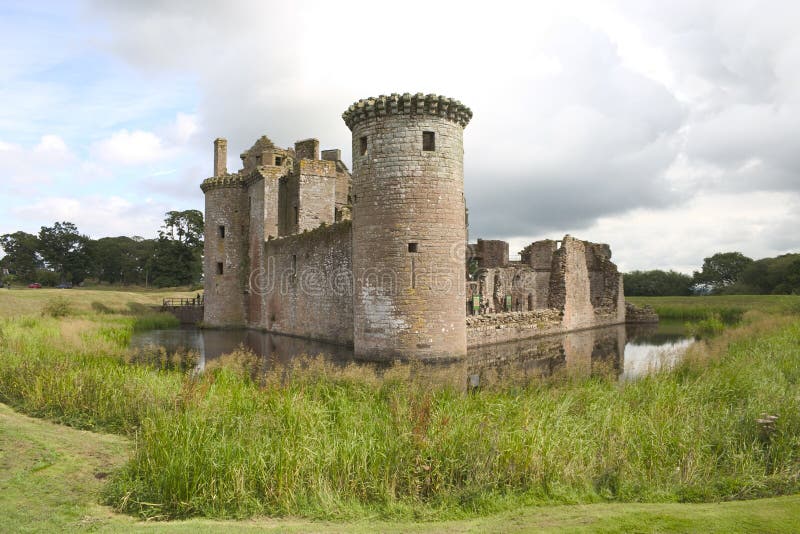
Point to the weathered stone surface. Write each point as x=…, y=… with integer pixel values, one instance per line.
x=640, y=314
x=409, y=232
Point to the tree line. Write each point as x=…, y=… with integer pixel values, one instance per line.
x=61, y=255
x=722, y=273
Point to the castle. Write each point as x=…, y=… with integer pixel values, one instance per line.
x=378, y=259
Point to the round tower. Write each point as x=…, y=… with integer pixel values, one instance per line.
x=409, y=228
x=225, y=267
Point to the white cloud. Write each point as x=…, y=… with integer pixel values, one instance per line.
x=612, y=120
x=94, y=215
x=130, y=148
x=27, y=167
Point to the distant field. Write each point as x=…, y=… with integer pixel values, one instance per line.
x=730, y=307
x=23, y=301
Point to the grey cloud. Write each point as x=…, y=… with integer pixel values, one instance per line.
x=544, y=152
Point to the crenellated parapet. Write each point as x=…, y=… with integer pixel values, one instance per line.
x=226, y=180
x=407, y=104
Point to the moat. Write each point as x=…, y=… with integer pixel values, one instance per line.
x=628, y=351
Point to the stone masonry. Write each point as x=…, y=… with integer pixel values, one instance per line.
x=378, y=260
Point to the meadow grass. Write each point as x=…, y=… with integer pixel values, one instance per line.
x=729, y=308
x=320, y=441
x=51, y=481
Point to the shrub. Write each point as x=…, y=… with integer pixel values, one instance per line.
x=57, y=307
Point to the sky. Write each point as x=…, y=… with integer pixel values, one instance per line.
x=670, y=130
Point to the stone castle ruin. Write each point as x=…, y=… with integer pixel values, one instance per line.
x=378, y=259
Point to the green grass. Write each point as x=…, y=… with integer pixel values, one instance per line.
x=321, y=442
x=730, y=308
x=51, y=475
x=19, y=301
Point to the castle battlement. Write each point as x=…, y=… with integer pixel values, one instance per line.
x=407, y=104
x=226, y=180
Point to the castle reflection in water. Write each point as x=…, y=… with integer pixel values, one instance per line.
x=622, y=351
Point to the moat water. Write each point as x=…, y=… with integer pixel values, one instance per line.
x=627, y=351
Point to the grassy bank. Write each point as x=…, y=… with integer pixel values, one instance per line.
x=730, y=308
x=340, y=445
x=52, y=480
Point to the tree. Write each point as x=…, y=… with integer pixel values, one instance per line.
x=65, y=251
x=178, y=254
x=779, y=275
x=21, y=257
x=120, y=259
x=185, y=227
x=657, y=283
x=722, y=269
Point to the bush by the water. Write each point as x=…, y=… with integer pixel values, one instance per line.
x=316, y=440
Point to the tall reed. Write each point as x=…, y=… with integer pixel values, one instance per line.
x=320, y=441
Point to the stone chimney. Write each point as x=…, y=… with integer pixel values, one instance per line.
x=307, y=149
x=220, y=156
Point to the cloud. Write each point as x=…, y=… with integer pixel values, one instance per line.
x=29, y=167
x=623, y=119
x=130, y=148
x=94, y=215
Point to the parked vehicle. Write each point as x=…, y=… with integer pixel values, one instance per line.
x=35, y=285
x=67, y=285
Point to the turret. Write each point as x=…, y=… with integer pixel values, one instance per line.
x=409, y=230
x=225, y=267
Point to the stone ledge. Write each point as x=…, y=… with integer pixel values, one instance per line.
x=407, y=104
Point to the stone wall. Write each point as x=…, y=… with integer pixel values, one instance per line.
x=316, y=193
x=570, y=285
x=305, y=285
x=640, y=314
x=539, y=254
x=491, y=253
x=504, y=327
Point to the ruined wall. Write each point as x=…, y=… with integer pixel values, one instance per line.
x=512, y=326
x=491, y=253
x=570, y=286
x=408, y=227
x=305, y=285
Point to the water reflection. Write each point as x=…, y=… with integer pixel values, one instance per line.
x=623, y=351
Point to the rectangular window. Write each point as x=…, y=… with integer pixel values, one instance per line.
x=413, y=247
x=294, y=264
x=428, y=141
x=363, y=146
x=296, y=215
x=278, y=160
x=219, y=267
x=221, y=230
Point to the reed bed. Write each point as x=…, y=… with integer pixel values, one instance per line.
x=317, y=440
